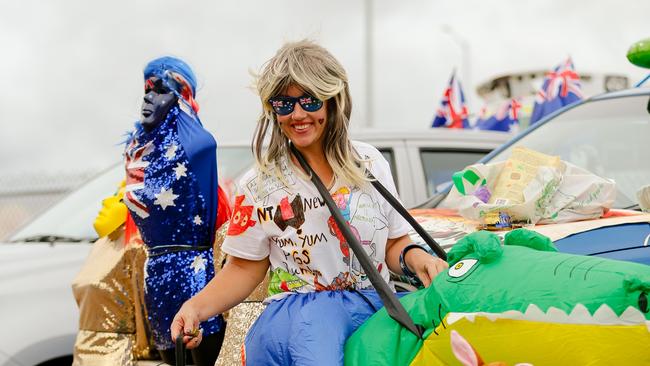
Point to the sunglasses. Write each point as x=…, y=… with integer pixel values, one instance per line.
x=284, y=105
x=156, y=85
x=169, y=82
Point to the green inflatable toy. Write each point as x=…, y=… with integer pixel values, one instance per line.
x=521, y=302
x=639, y=53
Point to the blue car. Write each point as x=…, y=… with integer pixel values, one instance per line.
x=608, y=135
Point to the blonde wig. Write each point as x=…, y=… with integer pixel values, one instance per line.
x=313, y=69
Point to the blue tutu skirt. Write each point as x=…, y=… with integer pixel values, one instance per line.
x=308, y=329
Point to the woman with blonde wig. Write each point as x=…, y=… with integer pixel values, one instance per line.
x=318, y=293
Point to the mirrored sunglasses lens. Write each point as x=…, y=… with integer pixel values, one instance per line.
x=310, y=104
x=281, y=107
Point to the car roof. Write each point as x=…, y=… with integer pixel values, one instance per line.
x=440, y=134
x=426, y=135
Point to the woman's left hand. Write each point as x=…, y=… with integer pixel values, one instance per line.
x=424, y=265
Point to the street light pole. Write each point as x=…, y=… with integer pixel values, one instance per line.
x=369, y=61
x=465, y=57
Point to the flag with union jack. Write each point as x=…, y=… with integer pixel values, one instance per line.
x=135, y=167
x=506, y=118
x=561, y=87
x=452, y=112
x=171, y=181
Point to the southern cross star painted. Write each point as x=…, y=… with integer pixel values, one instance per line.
x=198, y=264
x=180, y=171
x=165, y=198
x=171, y=151
x=197, y=220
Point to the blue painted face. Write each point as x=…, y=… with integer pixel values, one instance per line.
x=158, y=100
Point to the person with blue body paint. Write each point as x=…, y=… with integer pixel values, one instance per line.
x=172, y=195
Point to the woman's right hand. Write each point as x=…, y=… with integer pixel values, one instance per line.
x=186, y=322
x=229, y=287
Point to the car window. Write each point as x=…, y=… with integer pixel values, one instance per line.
x=389, y=155
x=73, y=216
x=607, y=137
x=439, y=165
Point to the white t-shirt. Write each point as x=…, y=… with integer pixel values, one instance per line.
x=290, y=223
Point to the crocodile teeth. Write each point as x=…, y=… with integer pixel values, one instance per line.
x=534, y=313
x=604, y=315
x=513, y=314
x=580, y=315
x=454, y=317
x=632, y=315
x=558, y=315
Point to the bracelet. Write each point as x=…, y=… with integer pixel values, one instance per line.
x=402, y=262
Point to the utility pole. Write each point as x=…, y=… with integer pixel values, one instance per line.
x=370, y=120
x=465, y=57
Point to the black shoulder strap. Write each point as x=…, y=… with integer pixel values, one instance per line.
x=407, y=216
x=390, y=300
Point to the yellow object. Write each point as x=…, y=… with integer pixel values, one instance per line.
x=519, y=170
x=113, y=213
x=537, y=342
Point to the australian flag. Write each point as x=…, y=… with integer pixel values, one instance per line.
x=506, y=119
x=561, y=87
x=452, y=112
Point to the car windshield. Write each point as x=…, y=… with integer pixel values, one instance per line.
x=608, y=137
x=73, y=216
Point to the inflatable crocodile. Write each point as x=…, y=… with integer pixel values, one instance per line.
x=520, y=302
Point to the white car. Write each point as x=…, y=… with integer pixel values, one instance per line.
x=37, y=310
x=423, y=161
x=39, y=262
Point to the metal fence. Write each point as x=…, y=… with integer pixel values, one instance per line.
x=24, y=197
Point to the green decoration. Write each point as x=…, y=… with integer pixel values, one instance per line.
x=469, y=176
x=482, y=245
x=529, y=239
x=639, y=53
x=583, y=308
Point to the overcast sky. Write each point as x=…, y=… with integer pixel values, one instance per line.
x=71, y=71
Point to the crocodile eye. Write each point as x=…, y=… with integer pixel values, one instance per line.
x=643, y=302
x=462, y=267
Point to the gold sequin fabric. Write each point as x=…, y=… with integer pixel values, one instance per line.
x=241, y=317
x=219, y=237
x=104, y=348
x=260, y=293
x=109, y=292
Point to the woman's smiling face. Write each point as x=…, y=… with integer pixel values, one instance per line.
x=304, y=129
